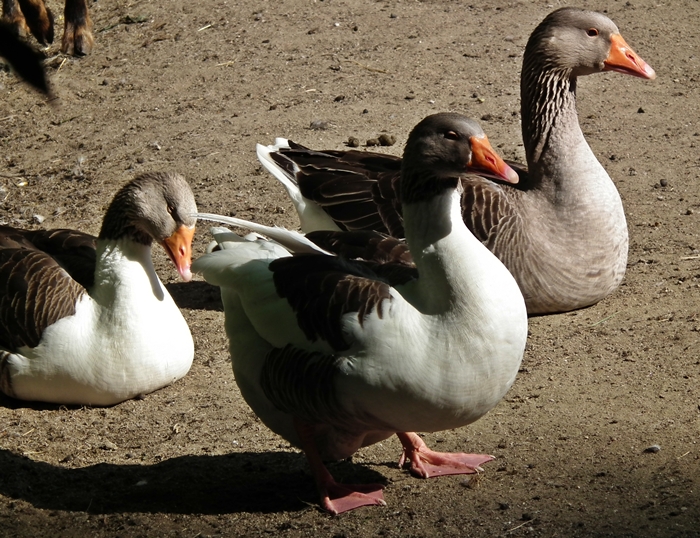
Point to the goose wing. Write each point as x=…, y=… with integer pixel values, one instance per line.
x=37, y=292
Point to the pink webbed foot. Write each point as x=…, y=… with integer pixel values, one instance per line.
x=338, y=498
x=335, y=498
x=425, y=463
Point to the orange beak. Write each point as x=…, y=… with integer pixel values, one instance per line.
x=486, y=161
x=624, y=60
x=179, y=248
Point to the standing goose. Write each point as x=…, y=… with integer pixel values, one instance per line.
x=561, y=230
x=87, y=321
x=334, y=356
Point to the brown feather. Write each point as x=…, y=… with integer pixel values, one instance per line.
x=36, y=293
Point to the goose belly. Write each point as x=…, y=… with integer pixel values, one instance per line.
x=102, y=356
x=430, y=375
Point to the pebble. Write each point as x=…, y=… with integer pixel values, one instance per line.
x=653, y=449
x=38, y=218
x=353, y=142
x=319, y=125
x=108, y=445
x=663, y=182
x=386, y=139
x=372, y=142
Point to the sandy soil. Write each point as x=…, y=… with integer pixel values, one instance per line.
x=191, y=87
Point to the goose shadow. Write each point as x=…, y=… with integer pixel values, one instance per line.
x=236, y=482
x=196, y=295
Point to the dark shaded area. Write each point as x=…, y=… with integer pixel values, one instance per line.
x=237, y=482
x=196, y=295
x=27, y=62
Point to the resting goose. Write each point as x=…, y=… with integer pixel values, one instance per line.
x=561, y=230
x=333, y=355
x=87, y=321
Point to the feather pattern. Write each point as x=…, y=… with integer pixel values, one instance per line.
x=561, y=230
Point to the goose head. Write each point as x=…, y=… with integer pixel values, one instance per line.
x=155, y=207
x=583, y=42
x=447, y=146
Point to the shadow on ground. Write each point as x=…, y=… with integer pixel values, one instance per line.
x=237, y=482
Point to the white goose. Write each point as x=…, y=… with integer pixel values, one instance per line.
x=561, y=230
x=334, y=355
x=87, y=321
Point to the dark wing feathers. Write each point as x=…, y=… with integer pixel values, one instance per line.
x=36, y=293
x=388, y=257
x=43, y=273
x=361, y=190
x=321, y=289
x=301, y=382
x=355, y=188
x=487, y=210
x=367, y=245
x=73, y=250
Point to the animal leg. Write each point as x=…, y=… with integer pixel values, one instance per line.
x=77, y=34
x=37, y=17
x=335, y=498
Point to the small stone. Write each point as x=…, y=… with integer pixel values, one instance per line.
x=108, y=445
x=640, y=110
x=386, y=139
x=688, y=211
x=653, y=449
x=372, y=142
x=353, y=142
x=38, y=218
x=663, y=182
x=339, y=98
x=319, y=125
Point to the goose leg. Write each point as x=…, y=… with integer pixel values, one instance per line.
x=426, y=463
x=335, y=498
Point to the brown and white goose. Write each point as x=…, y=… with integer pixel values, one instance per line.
x=561, y=230
x=86, y=320
x=334, y=355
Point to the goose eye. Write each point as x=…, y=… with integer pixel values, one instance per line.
x=171, y=209
x=452, y=135
x=592, y=32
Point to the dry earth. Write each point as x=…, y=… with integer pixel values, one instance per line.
x=191, y=87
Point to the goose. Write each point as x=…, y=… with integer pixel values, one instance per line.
x=561, y=230
x=335, y=354
x=86, y=320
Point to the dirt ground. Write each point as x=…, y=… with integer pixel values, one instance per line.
x=191, y=87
